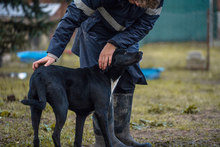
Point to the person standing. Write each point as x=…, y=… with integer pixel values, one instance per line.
x=102, y=27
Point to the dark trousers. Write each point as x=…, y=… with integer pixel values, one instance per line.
x=125, y=84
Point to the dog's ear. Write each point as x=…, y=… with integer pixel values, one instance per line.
x=118, y=52
x=113, y=61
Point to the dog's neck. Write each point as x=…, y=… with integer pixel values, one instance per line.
x=113, y=73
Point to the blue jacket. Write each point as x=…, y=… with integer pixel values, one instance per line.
x=101, y=21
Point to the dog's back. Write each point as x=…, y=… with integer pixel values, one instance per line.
x=81, y=87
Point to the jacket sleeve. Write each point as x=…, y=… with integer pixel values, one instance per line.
x=138, y=30
x=77, y=12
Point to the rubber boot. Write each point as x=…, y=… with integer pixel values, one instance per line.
x=122, y=114
x=99, y=140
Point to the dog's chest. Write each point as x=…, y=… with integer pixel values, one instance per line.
x=113, y=85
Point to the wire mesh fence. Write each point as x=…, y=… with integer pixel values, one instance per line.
x=187, y=20
x=195, y=22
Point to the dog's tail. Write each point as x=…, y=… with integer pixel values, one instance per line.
x=36, y=103
x=40, y=92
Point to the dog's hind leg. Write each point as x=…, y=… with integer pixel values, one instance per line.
x=60, y=114
x=35, y=117
x=80, y=120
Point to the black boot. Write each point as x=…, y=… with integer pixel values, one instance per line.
x=122, y=114
x=99, y=140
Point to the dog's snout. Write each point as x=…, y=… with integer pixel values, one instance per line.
x=141, y=52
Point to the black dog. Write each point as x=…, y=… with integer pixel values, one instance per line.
x=81, y=90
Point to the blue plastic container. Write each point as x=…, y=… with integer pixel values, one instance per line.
x=31, y=56
x=152, y=73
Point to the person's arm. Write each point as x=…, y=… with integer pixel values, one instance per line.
x=138, y=30
x=130, y=35
x=77, y=12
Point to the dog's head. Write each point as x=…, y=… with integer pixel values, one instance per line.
x=123, y=58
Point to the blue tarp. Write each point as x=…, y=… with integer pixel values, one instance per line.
x=31, y=56
x=152, y=73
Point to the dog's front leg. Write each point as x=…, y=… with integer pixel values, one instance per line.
x=103, y=123
x=80, y=120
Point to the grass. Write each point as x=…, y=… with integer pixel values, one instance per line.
x=182, y=108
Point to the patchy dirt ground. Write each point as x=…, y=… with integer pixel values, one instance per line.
x=201, y=131
x=181, y=109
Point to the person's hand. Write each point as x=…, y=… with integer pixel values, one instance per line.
x=105, y=57
x=46, y=61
